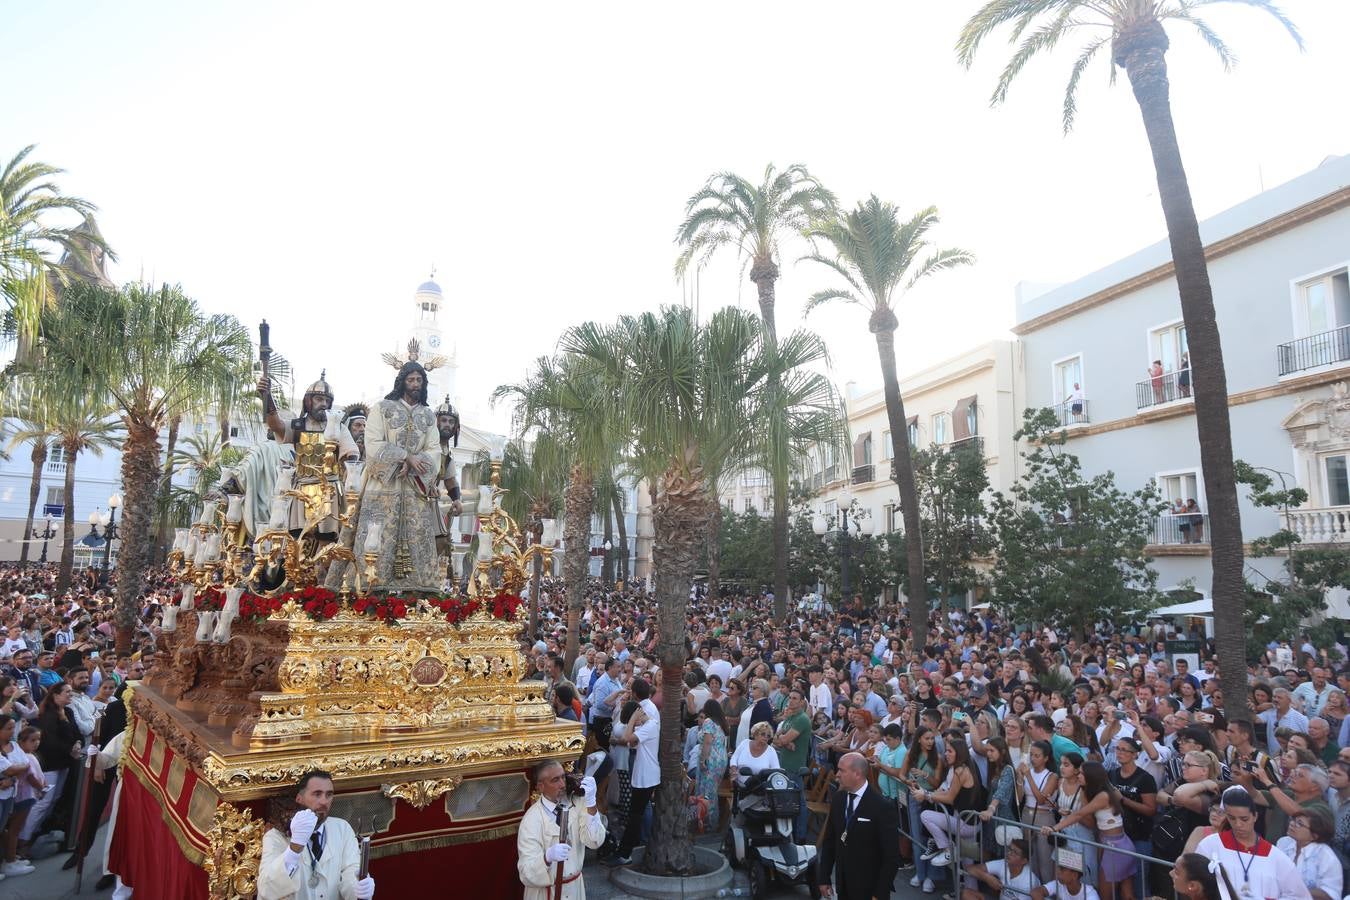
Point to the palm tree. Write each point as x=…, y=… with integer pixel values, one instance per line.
x=29, y=240
x=688, y=395
x=533, y=476
x=879, y=257
x=79, y=424
x=565, y=397
x=153, y=353
x=34, y=427
x=732, y=211
x=1138, y=43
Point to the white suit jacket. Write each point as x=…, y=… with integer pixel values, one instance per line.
x=336, y=868
x=539, y=831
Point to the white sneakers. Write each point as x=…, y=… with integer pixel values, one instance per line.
x=18, y=867
x=942, y=860
x=928, y=887
x=915, y=881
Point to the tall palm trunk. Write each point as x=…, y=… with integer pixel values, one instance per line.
x=39, y=457
x=578, y=500
x=63, y=577
x=714, y=540
x=1141, y=52
x=681, y=511
x=607, y=567
x=617, y=500
x=140, y=474
x=166, y=485
x=764, y=274
x=883, y=325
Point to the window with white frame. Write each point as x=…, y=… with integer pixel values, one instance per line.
x=749, y=504
x=1168, y=345
x=56, y=496
x=1180, y=488
x=1068, y=377
x=886, y=447
x=890, y=511
x=768, y=504
x=942, y=429
x=913, y=430
x=1338, y=479
x=1322, y=304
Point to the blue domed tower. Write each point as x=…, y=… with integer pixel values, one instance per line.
x=436, y=351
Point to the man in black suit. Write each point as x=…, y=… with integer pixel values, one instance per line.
x=862, y=834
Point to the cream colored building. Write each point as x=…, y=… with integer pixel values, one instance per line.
x=972, y=401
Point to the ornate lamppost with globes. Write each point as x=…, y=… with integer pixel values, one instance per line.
x=47, y=532
x=109, y=521
x=846, y=517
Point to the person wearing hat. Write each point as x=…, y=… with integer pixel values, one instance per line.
x=354, y=418
x=308, y=434
x=1068, y=883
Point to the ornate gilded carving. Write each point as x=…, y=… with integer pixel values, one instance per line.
x=422, y=794
x=236, y=853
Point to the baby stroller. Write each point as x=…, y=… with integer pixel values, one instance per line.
x=760, y=835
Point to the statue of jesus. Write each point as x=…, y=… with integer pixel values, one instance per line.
x=399, y=492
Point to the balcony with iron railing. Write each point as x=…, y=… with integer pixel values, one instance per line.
x=1313, y=351
x=1179, y=529
x=864, y=474
x=1071, y=412
x=972, y=444
x=1165, y=388
x=55, y=510
x=1324, y=525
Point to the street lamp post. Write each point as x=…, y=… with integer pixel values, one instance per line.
x=109, y=534
x=47, y=533
x=845, y=519
x=608, y=561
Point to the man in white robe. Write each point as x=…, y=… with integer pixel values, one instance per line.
x=399, y=493
x=320, y=857
x=543, y=844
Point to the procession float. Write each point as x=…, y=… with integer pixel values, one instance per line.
x=290, y=649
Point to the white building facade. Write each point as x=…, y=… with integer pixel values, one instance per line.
x=1108, y=352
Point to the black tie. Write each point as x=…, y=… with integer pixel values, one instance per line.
x=848, y=815
x=316, y=845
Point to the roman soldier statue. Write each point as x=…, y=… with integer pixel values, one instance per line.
x=312, y=470
x=354, y=418
x=447, y=427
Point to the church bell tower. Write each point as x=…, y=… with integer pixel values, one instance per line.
x=436, y=350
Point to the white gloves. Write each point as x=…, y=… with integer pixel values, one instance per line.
x=303, y=824
x=557, y=853
x=588, y=789
x=365, y=888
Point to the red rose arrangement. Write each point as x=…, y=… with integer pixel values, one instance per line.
x=211, y=599
x=253, y=608
x=386, y=609
x=457, y=610
x=320, y=604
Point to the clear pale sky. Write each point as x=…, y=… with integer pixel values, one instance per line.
x=310, y=162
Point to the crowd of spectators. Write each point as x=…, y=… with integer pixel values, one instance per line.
x=1010, y=752
x=61, y=687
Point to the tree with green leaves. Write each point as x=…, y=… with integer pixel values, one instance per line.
x=1135, y=34
x=688, y=395
x=566, y=396
x=33, y=426
x=30, y=238
x=533, y=474
x=731, y=211
x=1070, y=550
x=747, y=549
x=951, y=484
x=151, y=351
x=1276, y=609
x=879, y=257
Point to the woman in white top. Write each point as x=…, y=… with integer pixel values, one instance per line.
x=1036, y=786
x=755, y=754
x=1254, y=866
x=1308, y=845
x=13, y=763
x=1075, y=815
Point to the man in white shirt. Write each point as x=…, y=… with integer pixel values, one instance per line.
x=644, y=732
x=720, y=665
x=321, y=856
x=820, y=698
x=1068, y=883
x=13, y=644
